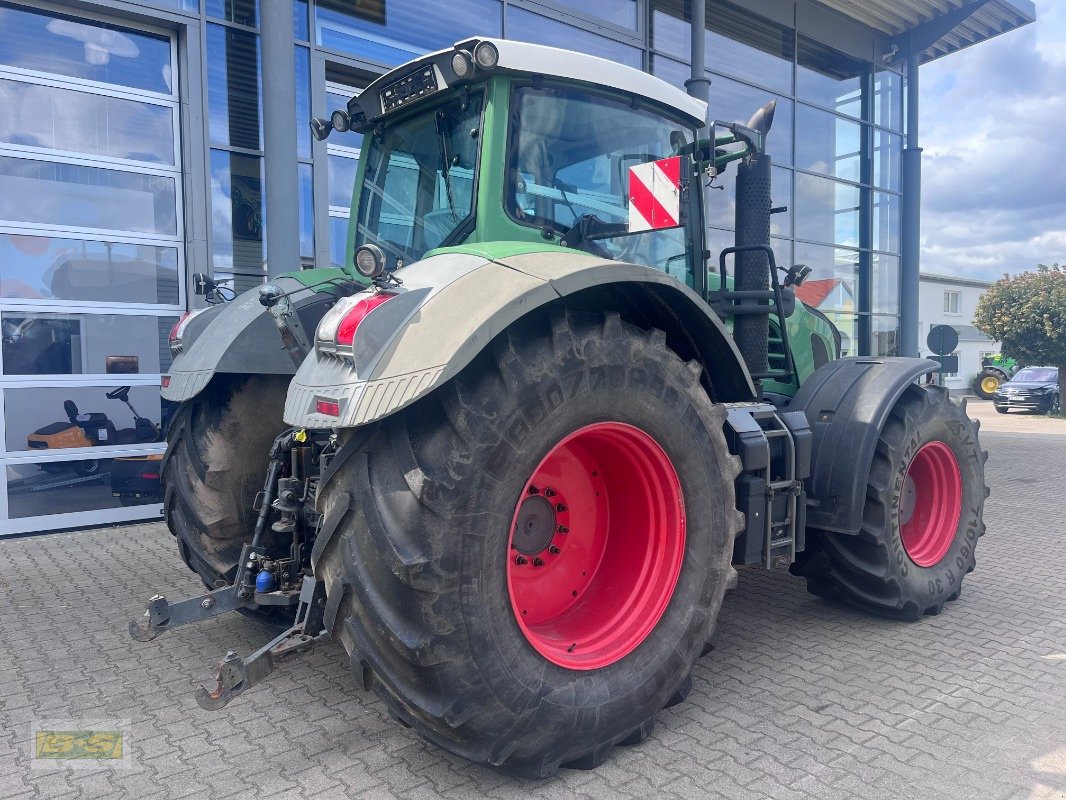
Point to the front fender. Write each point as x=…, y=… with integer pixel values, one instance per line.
x=451, y=306
x=240, y=337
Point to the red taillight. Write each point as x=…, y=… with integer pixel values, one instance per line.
x=329, y=407
x=150, y=476
x=346, y=330
x=177, y=326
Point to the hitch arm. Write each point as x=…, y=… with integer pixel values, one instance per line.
x=235, y=674
x=162, y=615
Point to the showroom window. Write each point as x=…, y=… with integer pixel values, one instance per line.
x=91, y=264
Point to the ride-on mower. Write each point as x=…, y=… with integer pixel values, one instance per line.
x=510, y=457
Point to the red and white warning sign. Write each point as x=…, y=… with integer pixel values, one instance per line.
x=655, y=195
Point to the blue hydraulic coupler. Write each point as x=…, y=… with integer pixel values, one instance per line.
x=264, y=582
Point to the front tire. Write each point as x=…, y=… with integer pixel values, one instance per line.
x=987, y=381
x=923, y=515
x=432, y=518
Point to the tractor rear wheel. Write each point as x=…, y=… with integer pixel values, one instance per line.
x=532, y=558
x=923, y=515
x=987, y=381
x=218, y=445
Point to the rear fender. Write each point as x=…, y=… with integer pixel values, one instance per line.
x=847, y=403
x=453, y=304
x=240, y=337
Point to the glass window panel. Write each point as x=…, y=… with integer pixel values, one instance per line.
x=888, y=100
x=673, y=72
x=886, y=222
x=720, y=208
x=834, y=281
x=737, y=43
x=338, y=241
x=334, y=102
x=47, y=268
x=342, y=171
x=827, y=144
x=826, y=211
x=300, y=28
x=83, y=48
x=78, y=344
x=885, y=283
x=888, y=158
x=240, y=282
x=619, y=12
x=234, y=98
x=718, y=239
x=530, y=27
x=52, y=193
x=178, y=5
x=62, y=487
x=307, y=213
x=829, y=78
x=36, y=417
x=243, y=12
x=303, y=102
x=79, y=122
x=736, y=102
x=236, y=212
x=394, y=31
x=886, y=336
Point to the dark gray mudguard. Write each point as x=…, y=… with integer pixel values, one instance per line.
x=847, y=403
x=238, y=337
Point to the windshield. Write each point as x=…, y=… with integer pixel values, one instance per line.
x=1037, y=375
x=418, y=189
x=570, y=156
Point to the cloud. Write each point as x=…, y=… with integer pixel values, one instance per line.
x=994, y=170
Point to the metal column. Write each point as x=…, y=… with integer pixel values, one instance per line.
x=699, y=85
x=911, y=220
x=280, y=168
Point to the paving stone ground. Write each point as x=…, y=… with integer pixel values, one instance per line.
x=802, y=698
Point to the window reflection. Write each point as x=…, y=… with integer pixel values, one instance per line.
x=303, y=102
x=828, y=144
x=64, y=487
x=77, y=344
x=618, y=12
x=43, y=267
x=736, y=102
x=36, y=115
x=243, y=12
x=307, y=213
x=82, y=48
x=829, y=78
x=888, y=154
x=393, y=31
x=886, y=336
x=52, y=193
x=721, y=203
x=886, y=222
x=338, y=241
x=884, y=280
x=833, y=284
x=236, y=212
x=234, y=97
x=888, y=100
x=541, y=30
x=826, y=210
x=342, y=171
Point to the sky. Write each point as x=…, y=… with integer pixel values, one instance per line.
x=993, y=129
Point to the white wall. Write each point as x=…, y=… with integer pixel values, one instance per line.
x=972, y=344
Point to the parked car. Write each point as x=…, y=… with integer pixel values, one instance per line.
x=1031, y=389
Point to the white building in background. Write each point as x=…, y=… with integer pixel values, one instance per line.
x=950, y=300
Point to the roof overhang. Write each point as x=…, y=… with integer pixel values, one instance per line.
x=936, y=28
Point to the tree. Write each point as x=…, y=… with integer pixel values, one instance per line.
x=1027, y=313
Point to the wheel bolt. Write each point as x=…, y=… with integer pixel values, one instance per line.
x=560, y=507
x=563, y=529
x=554, y=550
x=533, y=490
x=538, y=562
x=549, y=493
x=520, y=561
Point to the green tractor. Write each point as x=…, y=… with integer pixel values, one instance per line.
x=996, y=369
x=511, y=457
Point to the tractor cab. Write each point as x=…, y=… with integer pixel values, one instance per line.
x=506, y=141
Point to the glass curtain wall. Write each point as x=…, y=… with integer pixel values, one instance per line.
x=91, y=265
x=836, y=146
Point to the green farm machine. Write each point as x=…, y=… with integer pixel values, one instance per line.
x=996, y=369
x=510, y=457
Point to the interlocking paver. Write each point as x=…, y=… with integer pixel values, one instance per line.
x=802, y=698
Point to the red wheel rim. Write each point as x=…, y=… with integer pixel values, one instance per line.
x=931, y=504
x=597, y=540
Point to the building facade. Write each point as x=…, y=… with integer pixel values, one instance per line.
x=145, y=140
x=949, y=300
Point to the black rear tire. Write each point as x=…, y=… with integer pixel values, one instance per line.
x=873, y=569
x=218, y=446
x=422, y=514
